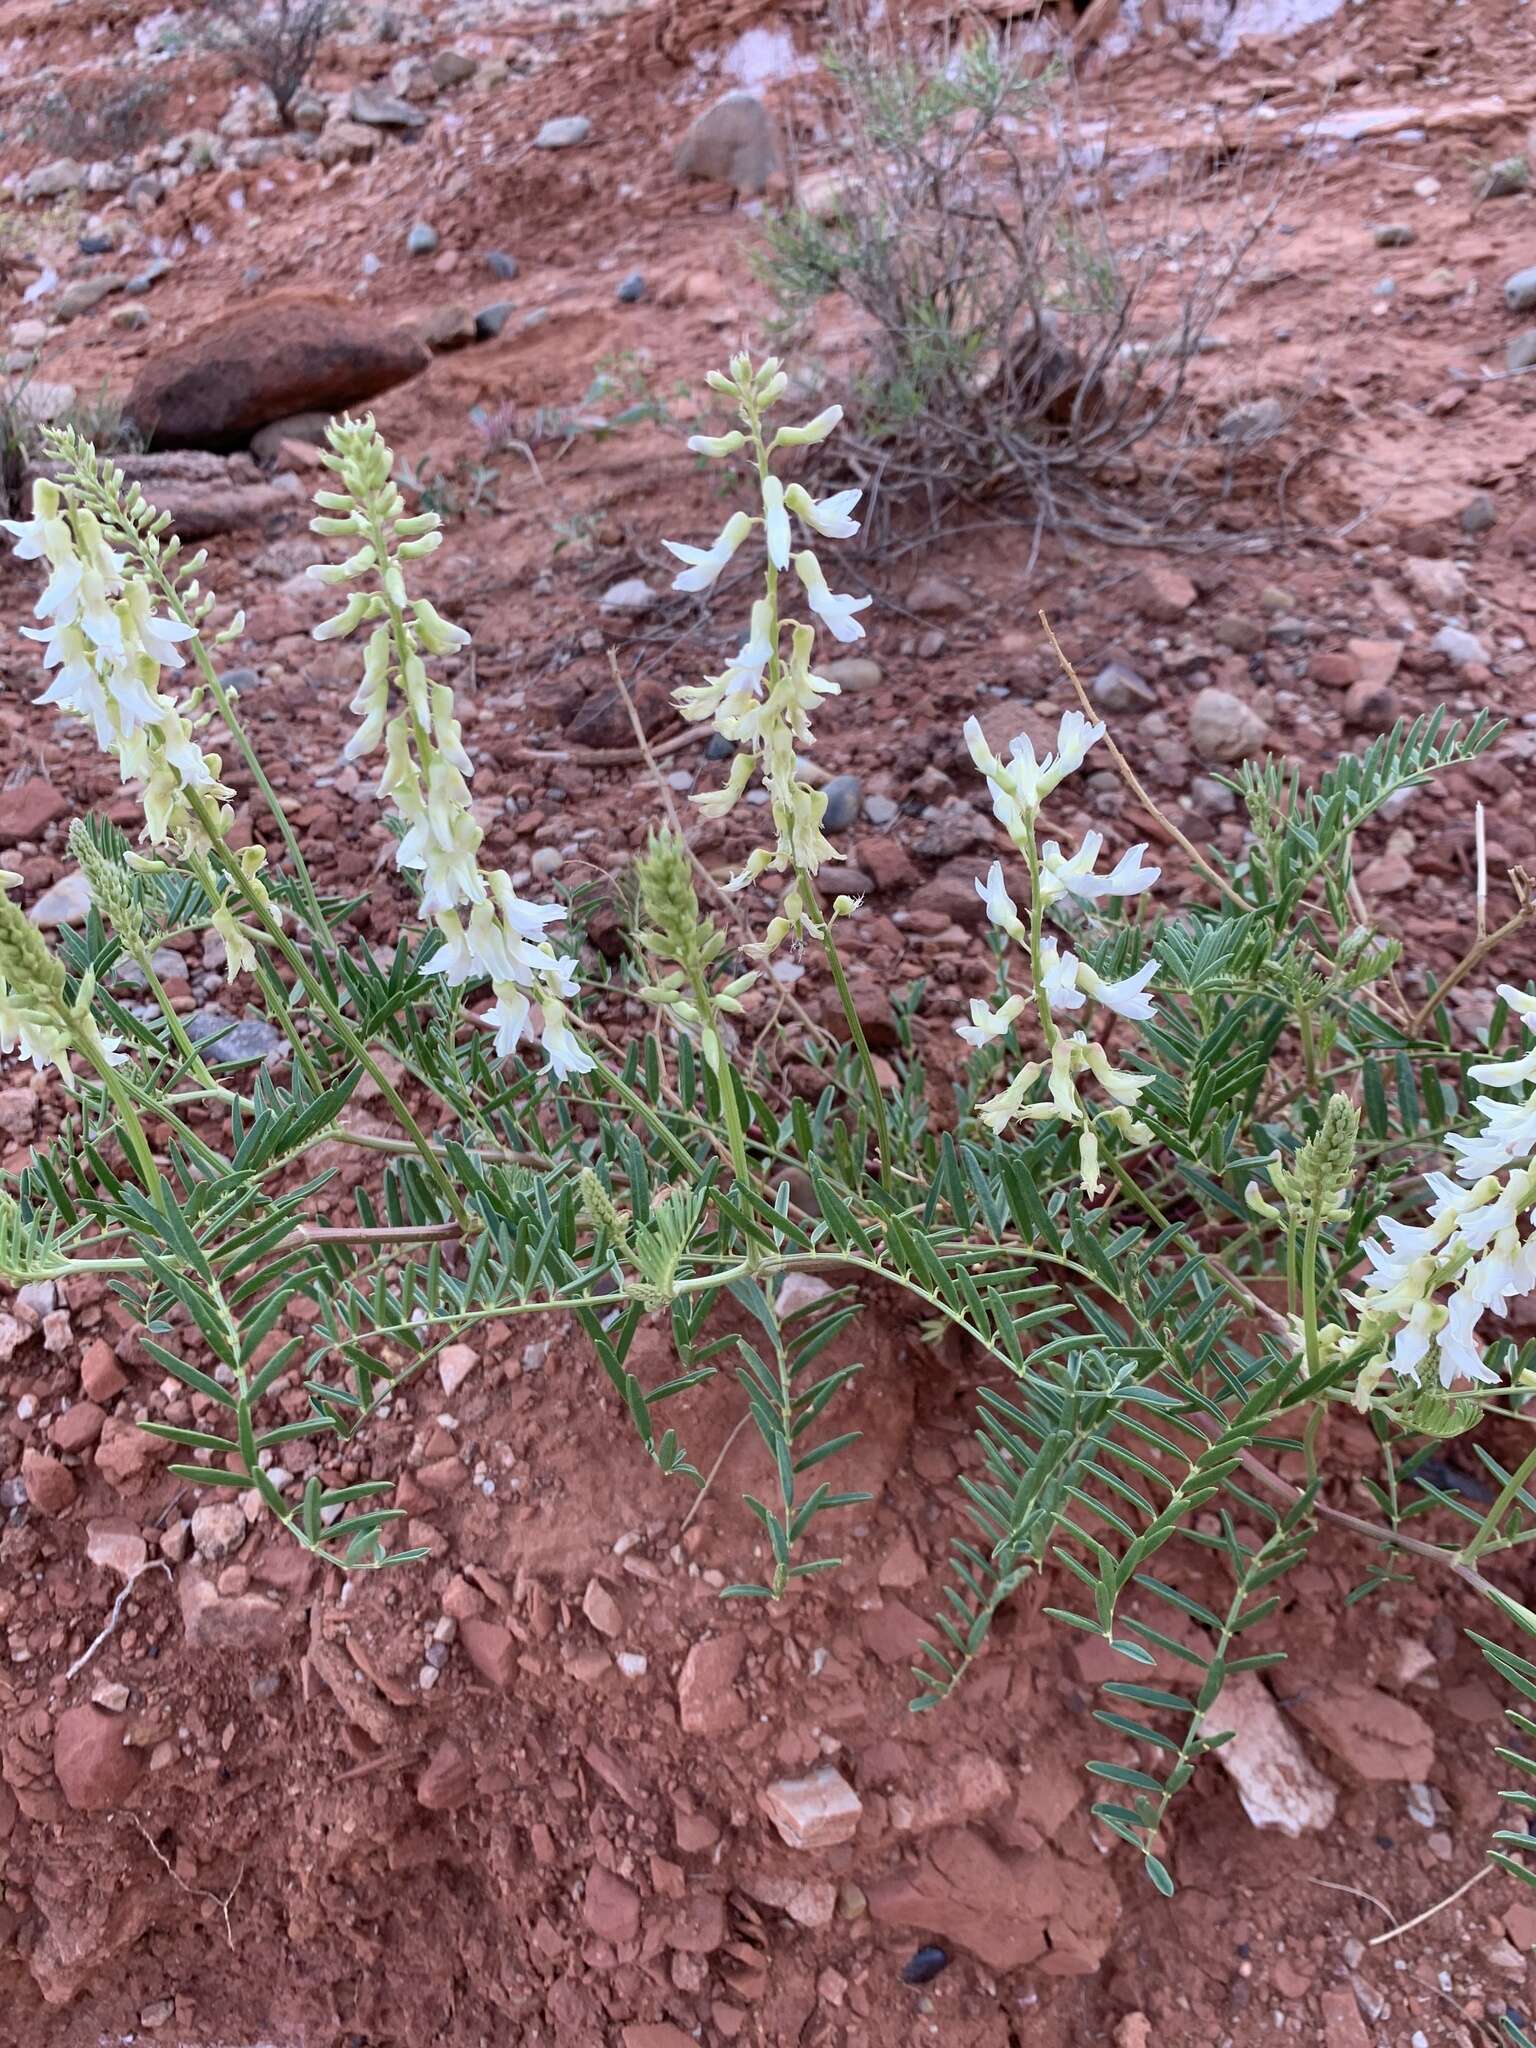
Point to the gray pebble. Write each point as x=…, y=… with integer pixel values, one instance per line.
x=1394, y=234
x=881, y=810
x=631, y=288
x=501, y=265
x=422, y=240
x=490, y=320
x=564, y=132
x=235, y=1038
x=1479, y=513
x=1505, y=180
x=842, y=794
x=1117, y=687
x=1520, y=290
x=1520, y=352
x=151, y=275
x=1212, y=798
x=1459, y=647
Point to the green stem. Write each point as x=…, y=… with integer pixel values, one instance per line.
x=1308, y=1047
x=1488, y=1527
x=1031, y=853
x=133, y=1131
x=321, y=998
x=638, y=1105
x=725, y=1081
x=873, y=1090
x=173, y=1023
x=1309, y=1292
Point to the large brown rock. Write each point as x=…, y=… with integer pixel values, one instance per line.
x=1008, y=1909
x=289, y=352
x=94, y=1768
x=731, y=143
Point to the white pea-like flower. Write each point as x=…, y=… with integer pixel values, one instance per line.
x=1002, y=911
x=813, y=431
x=986, y=1023
x=110, y=646
x=835, y=609
x=1076, y=874
x=704, y=565
x=775, y=522
x=831, y=517
x=1431, y=1283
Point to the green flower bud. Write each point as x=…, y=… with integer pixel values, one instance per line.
x=27, y=968
x=1324, y=1166
x=601, y=1211
x=677, y=929
x=111, y=886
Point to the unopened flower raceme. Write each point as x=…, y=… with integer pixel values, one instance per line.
x=489, y=932
x=1061, y=983
x=110, y=647
x=1433, y=1282
x=37, y=1019
x=761, y=701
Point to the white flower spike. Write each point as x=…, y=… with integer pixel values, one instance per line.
x=1432, y=1283
x=1061, y=982
x=761, y=701
x=488, y=932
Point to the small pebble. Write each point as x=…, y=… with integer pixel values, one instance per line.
x=565, y=131
x=422, y=240
x=501, y=265
x=630, y=288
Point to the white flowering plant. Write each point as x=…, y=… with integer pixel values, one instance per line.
x=1172, y=1226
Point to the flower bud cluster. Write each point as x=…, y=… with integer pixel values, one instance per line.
x=37, y=1018
x=679, y=935
x=489, y=932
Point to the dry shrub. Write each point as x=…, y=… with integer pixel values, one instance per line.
x=276, y=42
x=1030, y=302
x=95, y=119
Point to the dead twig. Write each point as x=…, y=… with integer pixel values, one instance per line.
x=1429, y=1912
x=156, y=1564
x=611, y=757
x=1353, y=1891
x=714, y=1471
x=193, y=1891
x=1480, y=949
